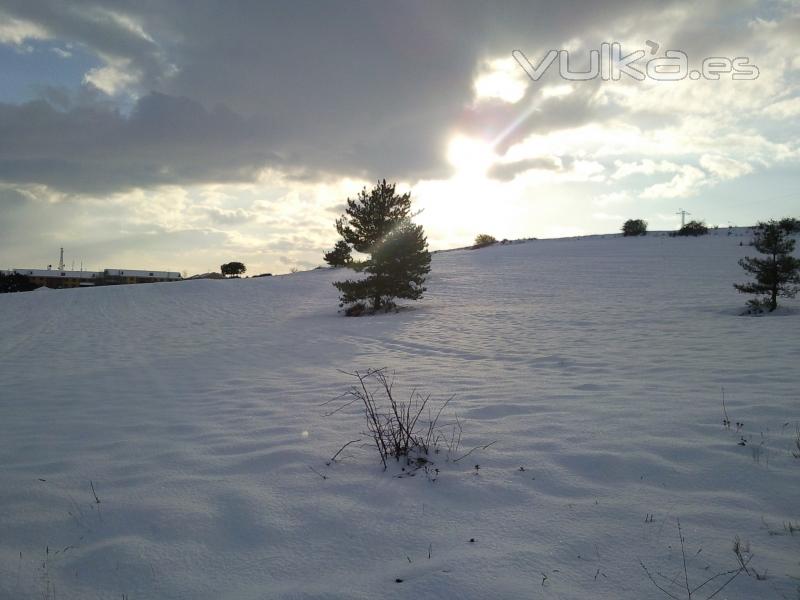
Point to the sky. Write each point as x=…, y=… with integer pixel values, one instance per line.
x=168, y=135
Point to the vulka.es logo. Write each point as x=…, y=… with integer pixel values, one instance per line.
x=610, y=64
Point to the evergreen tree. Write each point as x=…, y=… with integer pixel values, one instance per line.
x=371, y=216
x=776, y=275
x=339, y=256
x=378, y=223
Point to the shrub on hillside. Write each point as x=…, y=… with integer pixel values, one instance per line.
x=404, y=430
x=633, y=227
x=692, y=228
x=484, y=239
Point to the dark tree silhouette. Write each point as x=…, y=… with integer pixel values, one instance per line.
x=372, y=215
x=692, y=228
x=339, y=256
x=790, y=225
x=233, y=269
x=378, y=223
x=633, y=227
x=15, y=282
x=778, y=274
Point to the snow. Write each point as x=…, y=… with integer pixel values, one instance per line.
x=596, y=364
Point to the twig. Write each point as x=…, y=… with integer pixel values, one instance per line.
x=689, y=590
x=473, y=450
x=96, y=499
x=655, y=584
x=339, y=408
x=726, y=421
x=727, y=582
x=317, y=472
x=683, y=553
x=333, y=458
x=713, y=577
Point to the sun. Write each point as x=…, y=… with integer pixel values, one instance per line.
x=471, y=157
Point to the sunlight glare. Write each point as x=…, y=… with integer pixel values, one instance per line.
x=470, y=157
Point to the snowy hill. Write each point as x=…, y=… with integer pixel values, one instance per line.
x=194, y=411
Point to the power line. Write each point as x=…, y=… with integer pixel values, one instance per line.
x=683, y=214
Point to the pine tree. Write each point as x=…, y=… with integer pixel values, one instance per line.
x=371, y=216
x=776, y=275
x=339, y=256
x=378, y=223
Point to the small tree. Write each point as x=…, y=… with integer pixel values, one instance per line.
x=776, y=275
x=790, y=225
x=339, y=256
x=378, y=223
x=233, y=269
x=693, y=228
x=633, y=227
x=484, y=239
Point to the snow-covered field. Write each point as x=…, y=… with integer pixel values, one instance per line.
x=195, y=412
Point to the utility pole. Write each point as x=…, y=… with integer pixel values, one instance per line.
x=683, y=214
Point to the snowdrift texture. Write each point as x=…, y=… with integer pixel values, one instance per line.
x=193, y=409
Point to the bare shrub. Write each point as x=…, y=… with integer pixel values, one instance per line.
x=398, y=428
x=677, y=589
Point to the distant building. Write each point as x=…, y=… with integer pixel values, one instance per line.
x=119, y=276
x=54, y=278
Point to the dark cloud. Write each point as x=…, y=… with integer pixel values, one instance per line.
x=164, y=140
x=507, y=171
x=362, y=89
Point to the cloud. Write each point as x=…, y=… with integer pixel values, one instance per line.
x=382, y=105
x=723, y=167
x=644, y=167
x=783, y=109
x=61, y=52
x=620, y=197
x=164, y=140
x=507, y=171
x=685, y=183
x=15, y=32
x=243, y=126
x=221, y=216
x=114, y=78
x=500, y=79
